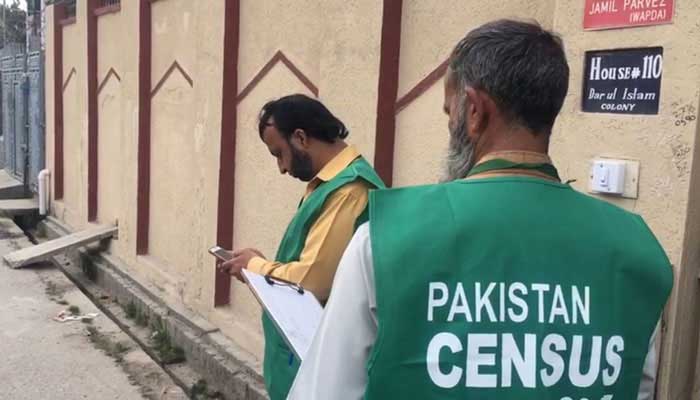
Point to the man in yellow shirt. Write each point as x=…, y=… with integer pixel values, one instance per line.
x=308, y=142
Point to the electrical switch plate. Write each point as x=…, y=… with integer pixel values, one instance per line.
x=616, y=177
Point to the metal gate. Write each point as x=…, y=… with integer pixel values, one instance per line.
x=23, y=116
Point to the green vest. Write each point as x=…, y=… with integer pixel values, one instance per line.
x=280, y=366
x=511, y=288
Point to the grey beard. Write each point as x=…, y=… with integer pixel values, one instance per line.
x=460, y=153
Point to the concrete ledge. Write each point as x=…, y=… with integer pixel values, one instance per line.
x=45, y=250
x=52, y=228
x=14, y=207
x=210, y=355
x=11, y=188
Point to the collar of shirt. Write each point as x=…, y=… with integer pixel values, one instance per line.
x=333, y=167
x=520, y=157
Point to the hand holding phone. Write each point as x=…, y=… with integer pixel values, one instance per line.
x=221, y=254
x=232, y=262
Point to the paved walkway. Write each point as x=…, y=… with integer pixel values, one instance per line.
x=45, y=359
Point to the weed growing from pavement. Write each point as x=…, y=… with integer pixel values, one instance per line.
x=52, y=290
x=120, y=348
x=141, y=318
x=200, y=391
x=89, y=268
x=162, y=343
x=113, y=349
x=75, y=310
x=199, y=388
x=130, y=310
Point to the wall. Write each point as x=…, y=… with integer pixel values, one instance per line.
x=333, y=49
x=422, y=135
x=666, y=152
x=117, y=112
x=331, y=57
x=73, y=207
x=185, y=122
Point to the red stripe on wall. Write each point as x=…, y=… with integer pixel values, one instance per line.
x=175, y=66
x=93, y=136
x=58, y=100
x=388, y=90
x=278, y=57
x=68, y=21
x=68, y=79
x=144, y=147
x=110, y=73
x=422, y=86
x=114, y=8
x=227, y=158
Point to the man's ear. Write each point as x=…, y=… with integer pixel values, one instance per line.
x=478, y=111
x=300, y=139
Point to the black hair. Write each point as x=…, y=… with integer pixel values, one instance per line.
x=299, y=111
x=520, y=65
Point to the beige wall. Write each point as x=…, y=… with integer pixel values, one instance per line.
x=666, y=153
x=339, y=52
x=185, y=132
x=73, y=207
x=257, y=213
x=336, y=44
x=350, y=44
x=173, y=153
x=110, y=119
x=429, y=31
x=117, y=122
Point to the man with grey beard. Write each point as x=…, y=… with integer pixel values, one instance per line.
x=504, y=282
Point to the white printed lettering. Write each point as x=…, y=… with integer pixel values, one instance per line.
x=525, y=364
x=440, y=341
x=517, y=302
x=553, y=359
x=459, y=305
x=434, y=301
x=483, y=301
x=558, y=306
x=615, y=346
x=581, y=307
x=475, y=359
x=595, y=68
x=502, y=302
x=576, y=377
x=540, y=288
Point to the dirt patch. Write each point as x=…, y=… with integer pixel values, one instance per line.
x=104, y=342
x=10, y=235
x=55, y=290
x=141, y=370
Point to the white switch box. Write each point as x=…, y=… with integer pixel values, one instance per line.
x=614, y=177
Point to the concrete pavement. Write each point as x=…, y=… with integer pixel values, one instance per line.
x=45, y=359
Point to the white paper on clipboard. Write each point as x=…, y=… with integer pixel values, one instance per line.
x=295, y=315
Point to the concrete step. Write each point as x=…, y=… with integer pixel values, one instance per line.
x=10, y=187
x=19, y=206
x=51, y=248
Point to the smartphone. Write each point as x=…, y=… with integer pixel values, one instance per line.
x=220, y=253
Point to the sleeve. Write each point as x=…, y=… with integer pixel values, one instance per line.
x=335, y=367
x=647, y=386
x=262, y=266
x=324, y=244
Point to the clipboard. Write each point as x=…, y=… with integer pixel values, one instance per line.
x=295, y=312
